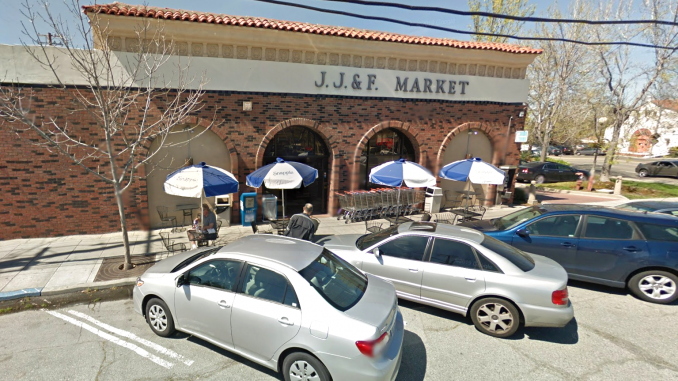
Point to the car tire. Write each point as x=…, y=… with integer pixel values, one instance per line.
x=655, y=286
x=487, y=314
x=578, y=153
x=539, y=179
x=159, y=318
x=302, y=366
x=643, y=173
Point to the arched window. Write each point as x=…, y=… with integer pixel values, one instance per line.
x=386, y=145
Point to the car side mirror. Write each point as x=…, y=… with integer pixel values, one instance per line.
x=523, y=232
x=376, y=253
x=181, y=280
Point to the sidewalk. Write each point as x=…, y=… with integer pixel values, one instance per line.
x=49, y=266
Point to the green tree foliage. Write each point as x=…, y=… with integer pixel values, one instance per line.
x=493, y=25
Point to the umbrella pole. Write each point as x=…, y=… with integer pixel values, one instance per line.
x=398, y=206
x=283, y=200
x=202, y=213
x=468, y=196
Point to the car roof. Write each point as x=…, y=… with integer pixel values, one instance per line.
x=533, y=164
x=654, y=204
x=442, y=230
x=291, y=252
x=609, y=212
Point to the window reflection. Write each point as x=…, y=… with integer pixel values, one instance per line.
x=386, y=145
x=296, y=142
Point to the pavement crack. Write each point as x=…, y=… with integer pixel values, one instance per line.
x=103, y=361
x=636, y=351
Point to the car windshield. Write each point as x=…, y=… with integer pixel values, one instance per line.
x=370, y=239
x=521, y=259
x=513, y=219
x=337, y=281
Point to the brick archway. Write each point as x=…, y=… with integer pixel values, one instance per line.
x=324, y=133
x=402, y=127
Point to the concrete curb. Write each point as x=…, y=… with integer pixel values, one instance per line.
x=580, y=193
x=49, y=291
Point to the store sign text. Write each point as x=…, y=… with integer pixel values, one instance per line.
x=426, y=85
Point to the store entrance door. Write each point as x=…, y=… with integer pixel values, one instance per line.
x=302, y=145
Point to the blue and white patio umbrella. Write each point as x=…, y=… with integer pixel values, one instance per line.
x=474, y=171
x=398, y=172
x=283, y=175
x=201, y=180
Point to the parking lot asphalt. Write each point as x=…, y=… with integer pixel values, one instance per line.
x=614, y=337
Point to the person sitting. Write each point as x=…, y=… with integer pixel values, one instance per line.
x=199, y=236
x=301, y=225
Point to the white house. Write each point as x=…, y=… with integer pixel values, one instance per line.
x=651, y=132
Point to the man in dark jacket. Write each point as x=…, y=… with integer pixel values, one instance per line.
x=301, y=225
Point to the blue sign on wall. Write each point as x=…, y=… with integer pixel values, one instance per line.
x=521, y=136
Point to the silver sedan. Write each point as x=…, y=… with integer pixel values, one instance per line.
x=284, y=303
x=464, y=271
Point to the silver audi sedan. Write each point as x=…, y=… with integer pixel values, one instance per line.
x=464, y=271
x=287, y=304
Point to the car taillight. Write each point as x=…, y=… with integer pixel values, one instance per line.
x=370, y=348
x=560, y=297
x=525, y=170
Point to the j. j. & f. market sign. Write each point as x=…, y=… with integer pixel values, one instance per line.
x=404, y=84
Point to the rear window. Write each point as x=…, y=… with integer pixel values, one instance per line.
x=337, y=281
x=522, y=260
x=659, y=232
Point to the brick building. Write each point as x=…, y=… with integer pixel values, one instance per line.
x=339, y=99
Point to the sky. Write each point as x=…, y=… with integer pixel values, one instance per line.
x=11, y=17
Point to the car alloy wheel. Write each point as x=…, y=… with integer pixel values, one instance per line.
x=157, y=318
x=540, y=179
x=303, y=371
x=655, y=286
x=642, y=173
x=495, y=317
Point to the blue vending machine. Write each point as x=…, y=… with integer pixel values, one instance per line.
x=248, y=208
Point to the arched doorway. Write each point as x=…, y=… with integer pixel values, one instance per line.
x=301, y=144
x=185, y=145
x=468, y=143
x=386, y=145
x=641, y=141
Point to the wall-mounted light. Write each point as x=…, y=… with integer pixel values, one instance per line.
x=522, y=114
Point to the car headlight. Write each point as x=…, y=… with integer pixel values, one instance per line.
x=139, y=282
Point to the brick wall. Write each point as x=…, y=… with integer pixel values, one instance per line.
x=43, y=194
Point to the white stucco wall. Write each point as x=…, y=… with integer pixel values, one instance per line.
x=656, y=120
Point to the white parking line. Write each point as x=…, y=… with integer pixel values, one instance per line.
x=131, y=336
x=140, y=351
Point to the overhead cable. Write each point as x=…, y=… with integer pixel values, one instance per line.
x=502, y=16
x=465, y=32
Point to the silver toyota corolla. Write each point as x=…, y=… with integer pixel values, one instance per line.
x=284, y=303
x=464, y=271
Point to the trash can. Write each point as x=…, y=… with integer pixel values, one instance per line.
x=270, y=204
x=248, y=208
x=434, y=196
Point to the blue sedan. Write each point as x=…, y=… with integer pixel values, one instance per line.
x=600, y=245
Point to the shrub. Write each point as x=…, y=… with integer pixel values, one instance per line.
x=673, y=152
x=553, y=160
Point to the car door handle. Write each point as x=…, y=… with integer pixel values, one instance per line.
x=632, y=249
x=284, y=320
x=414, y=270
x=224, y=304
x=470, y=278
x=568, y=244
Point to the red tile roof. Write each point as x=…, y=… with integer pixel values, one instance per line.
x=671, y=104
x=121, y=9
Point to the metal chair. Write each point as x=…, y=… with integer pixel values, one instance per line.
x=444, y=218
x=187, y=213
x=165, y=218
x=170, y=246
x=373, y=226
x=256, y=230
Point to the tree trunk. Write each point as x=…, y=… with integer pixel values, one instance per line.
x=123, y=227
x=607, y=163
x=545, y=143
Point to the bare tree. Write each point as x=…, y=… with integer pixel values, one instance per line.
x=482, y=24
x=626, y=78
x=557, y=77
x=125, y=95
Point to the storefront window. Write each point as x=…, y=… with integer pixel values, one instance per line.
x=295, y=142
x=387, y=145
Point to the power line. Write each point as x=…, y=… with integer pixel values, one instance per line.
x=501, y=16
x=465, y=32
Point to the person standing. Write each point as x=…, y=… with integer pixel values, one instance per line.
x=301, y=225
